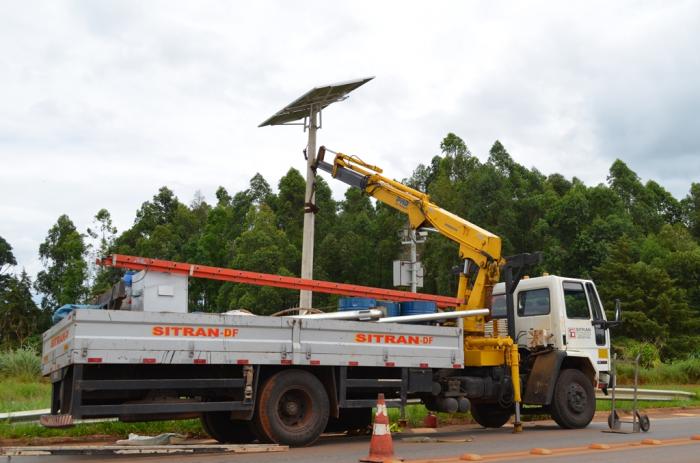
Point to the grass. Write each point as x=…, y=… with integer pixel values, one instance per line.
x=110, y=428
x=604, y=405
x=22, y=364
x=18, y=395
x=679, y=372
x=415, y=414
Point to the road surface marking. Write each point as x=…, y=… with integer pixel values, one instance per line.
x=563, y=451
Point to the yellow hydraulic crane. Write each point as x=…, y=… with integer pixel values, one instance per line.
x=479, y=249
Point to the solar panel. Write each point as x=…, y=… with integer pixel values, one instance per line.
x=318, y=97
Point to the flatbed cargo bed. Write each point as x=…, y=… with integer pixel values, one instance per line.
x=125, y=337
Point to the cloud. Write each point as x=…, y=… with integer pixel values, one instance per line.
x=104, y=102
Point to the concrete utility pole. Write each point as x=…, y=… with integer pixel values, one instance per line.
x=307, y=247
x=307, y=108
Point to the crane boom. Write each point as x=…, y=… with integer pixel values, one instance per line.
x=479, y=248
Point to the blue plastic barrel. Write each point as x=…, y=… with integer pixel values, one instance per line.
x=355, y=303
x=393, y=309
x=128, y=276
x=418, y=307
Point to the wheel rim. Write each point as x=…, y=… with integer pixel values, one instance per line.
x=294, y=408
x=577, y=398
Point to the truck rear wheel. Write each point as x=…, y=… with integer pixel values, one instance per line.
x=221, y=427
x=573, y=404
x=293, y=408
x=490, y=415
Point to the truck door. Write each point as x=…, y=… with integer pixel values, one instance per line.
x=598, y=314
x=580, y=333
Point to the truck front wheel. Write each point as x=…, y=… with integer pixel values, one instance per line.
x=490, y=415
x=293, y=408
x=573, y=404
x=221, y=427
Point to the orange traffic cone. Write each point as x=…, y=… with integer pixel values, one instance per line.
x=381, y=448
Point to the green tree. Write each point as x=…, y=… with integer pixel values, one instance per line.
x=259, y=191
x=102, y=234
x=453, y=146
x=289, y=205
x=691, y=210
x=20, y=318
x=262, y=247
x=65, y=271
x=625, y=183
x=223, y=198
x=224, y=223
x=655, y=308
x=7, y=258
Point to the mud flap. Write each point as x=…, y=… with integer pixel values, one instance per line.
x=543, y=377
x=56, y=421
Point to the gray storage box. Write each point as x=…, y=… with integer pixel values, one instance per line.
x=159, y=292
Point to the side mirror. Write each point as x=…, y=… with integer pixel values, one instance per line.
x=606, y=324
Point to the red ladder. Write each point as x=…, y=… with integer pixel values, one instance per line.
x=267, y=279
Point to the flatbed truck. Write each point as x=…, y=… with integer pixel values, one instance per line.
x=543, y=342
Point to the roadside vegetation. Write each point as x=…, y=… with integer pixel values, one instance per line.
x=652, y=370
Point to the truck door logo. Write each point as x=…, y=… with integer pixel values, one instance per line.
x=580, y=333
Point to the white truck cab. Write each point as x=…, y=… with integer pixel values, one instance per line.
x=564, y=346
x=560, y=313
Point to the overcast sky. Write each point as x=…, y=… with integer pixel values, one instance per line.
x=101, y=103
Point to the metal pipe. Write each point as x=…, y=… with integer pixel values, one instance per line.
x=345, y=315
x=434, y=316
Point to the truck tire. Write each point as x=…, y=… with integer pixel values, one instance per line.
x=221, y=427
x=292, y=409
x=490, y=415
x=573, y=403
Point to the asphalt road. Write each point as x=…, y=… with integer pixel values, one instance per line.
x=673, y=430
